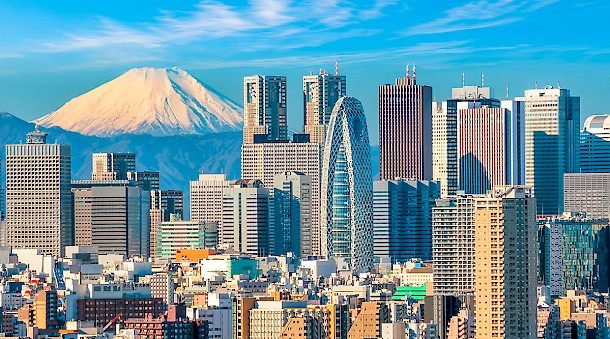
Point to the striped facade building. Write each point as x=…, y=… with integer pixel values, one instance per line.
x=405, y=130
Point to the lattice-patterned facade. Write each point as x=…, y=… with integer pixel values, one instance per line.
x=347, y=187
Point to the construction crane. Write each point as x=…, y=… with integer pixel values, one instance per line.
x=111, y=322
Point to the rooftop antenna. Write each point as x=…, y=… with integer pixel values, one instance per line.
x=336, y=66
x=506, y=91
x=558, y=84
x=407, y=72
x=414, y=74
x=310, y=72
x=536, y=85
x=482, y=79
x=463, y=79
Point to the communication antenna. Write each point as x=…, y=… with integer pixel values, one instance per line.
x=506, y=91
x=407, y=72
x=536, y=85
x=482, y=79
x=336, y=66
x=414, y=74
x=463, y=79
x=558, y=84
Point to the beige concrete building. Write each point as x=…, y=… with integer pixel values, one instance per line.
x=264, y=109
x=112, y=166
x=505, y=261
x=38, y=197
x=206, y=197
x=264, y=161
x=320, y=93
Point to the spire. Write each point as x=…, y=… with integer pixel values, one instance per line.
x=336, y=66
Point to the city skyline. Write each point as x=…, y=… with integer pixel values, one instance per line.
x=443, y=42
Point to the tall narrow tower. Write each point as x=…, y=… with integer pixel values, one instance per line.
x=320, y=93
x=39, y=199
x=347, y=187
x=264, y=109
x=552, y=140
x=405, y=130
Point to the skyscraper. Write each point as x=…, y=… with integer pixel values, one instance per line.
x=405, y=130
x=245, y=222
x=264, y=108
x=112, y=166
x=595, y=145
x=320, y=93
x=163, y=203
x=506, y=263
x=113, y=215
x=552, y=119
x=445, y=131
x=402, y=218
x=266, y=160
x=292, y=213
x=453, y=245
x=39, y=200
x=206, y=197
x=2, y=197
x=347, y=187
x=490, y=146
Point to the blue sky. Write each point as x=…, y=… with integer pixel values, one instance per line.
x=51, y=51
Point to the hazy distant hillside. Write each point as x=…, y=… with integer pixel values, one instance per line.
x=178, y=158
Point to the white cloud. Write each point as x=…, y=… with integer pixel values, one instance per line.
x=478, y=14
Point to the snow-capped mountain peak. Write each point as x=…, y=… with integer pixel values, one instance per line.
x=154, y=101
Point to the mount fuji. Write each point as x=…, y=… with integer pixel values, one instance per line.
x=151, y=101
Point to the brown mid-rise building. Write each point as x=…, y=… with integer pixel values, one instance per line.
x=101, y=311
x=405, y=130
x=369, y=321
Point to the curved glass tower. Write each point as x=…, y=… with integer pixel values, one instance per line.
x=347, y=187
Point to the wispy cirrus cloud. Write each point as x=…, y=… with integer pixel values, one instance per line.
x=478, y=14
x=287, y=23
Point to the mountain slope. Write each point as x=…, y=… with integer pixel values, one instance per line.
x=153, y=101
x=179, y=159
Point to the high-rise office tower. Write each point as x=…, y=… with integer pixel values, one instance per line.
x=347, y=187
x=163, y=203
x=490, y=146
x=112, y=166
x=453, y=245
x=264, y=109
x=265, y=161
x=2, y=196
x=292, y=213
x=320, y=93
x=405, y=130
x=113, y=215
x=587, y=193
x=552, y=119
x=506, y=263
x=146, y=179
x=206, y=197
x=402, y=218
x=445, y=130
x=574, y=253
x=595, y=145
x=245, y=218
x=38, y=196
